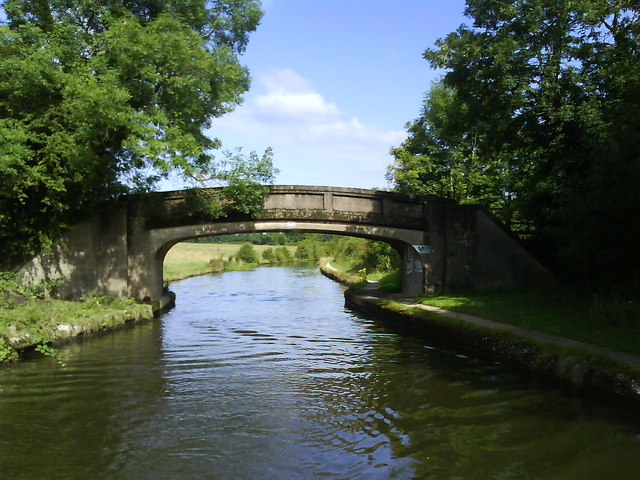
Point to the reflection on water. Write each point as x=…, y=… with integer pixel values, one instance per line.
x=264, y=375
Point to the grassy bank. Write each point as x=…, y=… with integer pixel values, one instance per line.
x=612, y=325
x=608, y=324
x=575, y=367
x=350, y=273
x=31, y=322
x=189, y=259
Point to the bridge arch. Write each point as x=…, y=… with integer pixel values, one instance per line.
x=403, y=240
x=444, y=246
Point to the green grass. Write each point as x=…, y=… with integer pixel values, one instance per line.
x=40, y=318
x=190, y=259
x=611, y=325
x=29, y=313
x=177, y=269
x=388, y=281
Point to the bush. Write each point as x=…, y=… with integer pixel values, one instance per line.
x=309, y=249
x=348, y=249
x=217, y=265
x=268, y=255
x=247, y=254
x=303, y=252
x=42, y=289
x=283, y=255
x=380, y=256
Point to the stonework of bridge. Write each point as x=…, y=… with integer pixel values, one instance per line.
x=445, y=247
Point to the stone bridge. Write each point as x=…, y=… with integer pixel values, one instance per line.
x=444, y=246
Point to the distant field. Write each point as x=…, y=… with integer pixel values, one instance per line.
x=189, y=259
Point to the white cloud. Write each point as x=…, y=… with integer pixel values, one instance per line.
x=286, y=80
x=314, y=141
x=294, y=107
x=289, y=98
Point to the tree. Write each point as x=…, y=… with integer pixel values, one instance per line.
x=310, y=248
x=283, y=255
x=99, y=98
x=244, y=180
x=303, y=252
x=541, y=96
x=440, y=157
x=380, y=256
x=268, y=255
x=247, y=254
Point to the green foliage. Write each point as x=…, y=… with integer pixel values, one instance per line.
x=247, y=254
x=380, y=256
x=12, y=290
x=391, y=282
x=358, y=261
x=279, y=256
x=283, y=255
x=348, y=249
x=35, y=322
x=536, y=117
x=49, y=351
x=101, y=98
x=253, y=238
x=268, y=255
x=310, y=249
x=303, y=252
x=362, y=253
x=440, y=157
x=216, y=265
x=7, y=352
x=243, y=179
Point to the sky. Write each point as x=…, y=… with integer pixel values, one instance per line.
x=333, y=84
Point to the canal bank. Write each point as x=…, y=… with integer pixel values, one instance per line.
x=575, y=366
x=54, y=322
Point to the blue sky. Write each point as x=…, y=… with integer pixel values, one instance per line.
x=334, y=83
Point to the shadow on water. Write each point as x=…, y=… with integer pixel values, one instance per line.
x=69, y=421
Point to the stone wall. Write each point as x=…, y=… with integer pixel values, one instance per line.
x=480, y=254
x=92, y=256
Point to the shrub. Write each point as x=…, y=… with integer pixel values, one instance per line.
x=247, y=254
x=268, y=255
x=303, y=252
x=283, y=255
x=217, y=265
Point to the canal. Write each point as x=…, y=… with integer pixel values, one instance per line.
x=266, y=375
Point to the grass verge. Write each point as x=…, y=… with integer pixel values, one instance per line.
x=609, y=324
x=613, y=325
x=573, y=367
x=28, y=322
x=387, y=281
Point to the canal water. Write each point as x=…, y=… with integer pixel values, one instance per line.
x=265, y=375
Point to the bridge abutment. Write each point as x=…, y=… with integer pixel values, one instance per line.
x=413, y=272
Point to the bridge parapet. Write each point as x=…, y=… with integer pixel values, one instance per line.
x=294, y=202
